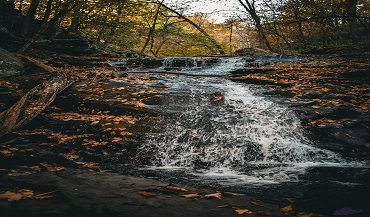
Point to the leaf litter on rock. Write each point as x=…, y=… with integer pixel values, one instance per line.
x=25, y=194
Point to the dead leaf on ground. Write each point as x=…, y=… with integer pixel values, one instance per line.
x=255, y=202
x=147, y=194
x=191, y=195
x=217, y=98
x=223, y=206
x=216, y=195
x=117, y=139
x=287, y=209
x=45, y=195
x=174, y=188
x=52, y=168
x=243, y=211
x=11, y=196
x=290, y=200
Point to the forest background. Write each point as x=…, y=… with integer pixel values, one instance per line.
x=157, y=28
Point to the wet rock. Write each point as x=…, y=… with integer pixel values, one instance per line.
x=343, y=112
x=217, y=96
x=245, y=71
x=10, y=64
x=361, y=75
x=253, y=81
x=84, y=193
x=280, y=93
x=151, y=62
x=183, y=62
x=211, y=61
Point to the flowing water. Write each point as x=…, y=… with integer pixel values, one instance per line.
x=217, y=131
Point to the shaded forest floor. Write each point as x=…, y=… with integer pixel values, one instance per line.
x=57, y=164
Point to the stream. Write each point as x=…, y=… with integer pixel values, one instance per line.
x=213, y=131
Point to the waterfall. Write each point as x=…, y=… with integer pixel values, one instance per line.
x=183, y=62
x=241, y=131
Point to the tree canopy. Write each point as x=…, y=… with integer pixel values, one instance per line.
x=158, y=29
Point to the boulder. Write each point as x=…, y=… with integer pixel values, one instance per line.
x=9, y=64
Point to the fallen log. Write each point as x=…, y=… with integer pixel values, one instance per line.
x=36, y=100
x=33, y=103
x=37, y=63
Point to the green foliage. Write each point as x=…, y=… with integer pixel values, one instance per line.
x=289, y=25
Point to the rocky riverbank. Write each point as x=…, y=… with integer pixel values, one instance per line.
x=57, y=164
x=329, y=92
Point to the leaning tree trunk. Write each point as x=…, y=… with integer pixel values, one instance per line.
x=212, y=40
x=47, y=12
x=151, y=29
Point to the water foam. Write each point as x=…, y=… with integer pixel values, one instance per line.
x=243, y=137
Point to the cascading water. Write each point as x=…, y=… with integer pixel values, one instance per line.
x=239, y=134
x=183, y=62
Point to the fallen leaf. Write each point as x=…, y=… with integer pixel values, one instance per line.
x=147, y=194
x=45, y=195
x=117, y=139
x=290, y=200
x=287, y=209
x=243, y=211
x=305, y=214
x=174, y=188
x=52, y=168
x=6, y=153
x=256, y=203
x=217, y=98
x=192, y=195
x=223, y=206
x=11, y=196
x=216, y=195
x=26, y=193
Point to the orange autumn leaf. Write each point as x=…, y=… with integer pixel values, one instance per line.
x=147, y=194
x=216, y=195
x=223, y=206
x=116, y=139
x=174, y=188
x=287, y=209
x=192, y=195
x=11, y=196
x=243, y=211
x=217, y=98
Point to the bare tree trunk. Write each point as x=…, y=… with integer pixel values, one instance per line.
x=65, y=9
x=301, y=39
x=351, y=7
x=250, y=8
x=47, y=12
x=231, y=37
x=151, y=29
x=30, y=17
